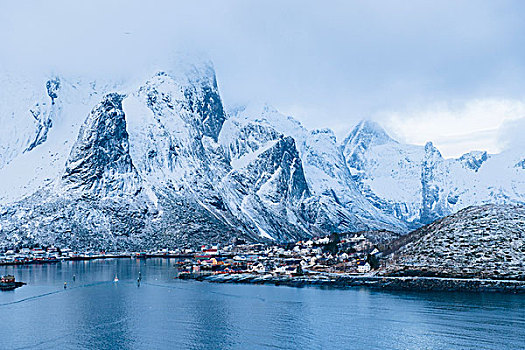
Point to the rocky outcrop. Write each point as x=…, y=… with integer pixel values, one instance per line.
x=100, y=161
x=43, y=114
x=474, y=160
x=429, y=187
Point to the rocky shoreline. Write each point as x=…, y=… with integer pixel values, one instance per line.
x=373, y=282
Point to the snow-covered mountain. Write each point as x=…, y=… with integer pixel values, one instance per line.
x=335, y=203
x=157, y=161
x=40, y=118
x=417, y=185
x=154, y=164
x=144, y=170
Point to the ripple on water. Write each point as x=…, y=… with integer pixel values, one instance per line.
x=164, y=313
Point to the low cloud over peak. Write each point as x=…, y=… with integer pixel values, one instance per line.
x=329, y=64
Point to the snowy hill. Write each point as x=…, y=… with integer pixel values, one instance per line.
x=482, y=241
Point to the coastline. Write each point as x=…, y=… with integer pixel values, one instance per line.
x=94, y=257
x=401, y=281
x=422, y=284
x=336, y=280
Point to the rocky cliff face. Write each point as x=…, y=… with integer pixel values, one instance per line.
x=100, y=162
x=430, y=210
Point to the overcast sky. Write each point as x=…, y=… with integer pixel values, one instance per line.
x=451, y=72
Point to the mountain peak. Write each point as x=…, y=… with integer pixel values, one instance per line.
x=474, y=159
x=368, y=132
x=195, y=87
x=364, y=135
x=267, y=114
x=432, y=151
x=100, y=160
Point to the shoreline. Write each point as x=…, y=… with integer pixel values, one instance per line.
x=421, y=284
x=96, y=257
x=334, y=280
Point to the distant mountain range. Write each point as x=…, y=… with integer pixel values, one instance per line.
x=162, y=163
x=417, y=185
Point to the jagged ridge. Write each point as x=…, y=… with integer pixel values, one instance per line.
x=163, y=164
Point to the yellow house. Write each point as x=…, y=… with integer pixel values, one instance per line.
x=215, y=261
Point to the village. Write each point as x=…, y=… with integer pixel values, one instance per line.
x=349, y=254
x=352, y=255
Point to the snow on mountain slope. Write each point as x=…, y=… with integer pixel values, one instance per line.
x=499, y=180
x=336, y=203
x=329, y=177
x=41, y=118
x=268, y=171
x=146, y=170
x=417, y=185
x=273, y=184
x=158, y=162
x=26, y=114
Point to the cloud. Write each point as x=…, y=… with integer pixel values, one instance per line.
x=512, y=135
x=328, y=63
x=458, y=128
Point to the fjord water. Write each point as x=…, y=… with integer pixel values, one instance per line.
x=164, y=313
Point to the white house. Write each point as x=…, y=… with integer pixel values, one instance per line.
x=364, y=268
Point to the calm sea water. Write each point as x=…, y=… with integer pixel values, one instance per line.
x=165, y=313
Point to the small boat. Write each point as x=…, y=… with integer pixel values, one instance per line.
x=115, y=279
x=8, y=282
